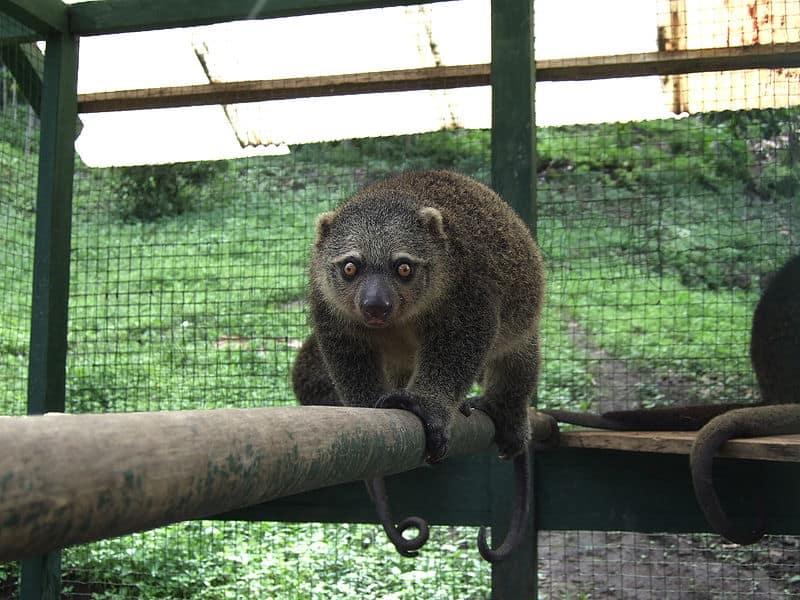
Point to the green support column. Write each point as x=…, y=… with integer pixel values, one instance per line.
x=514, y=178
x=41, y=577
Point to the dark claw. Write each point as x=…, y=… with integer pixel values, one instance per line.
x=435, y=444
x=436, y=438
x=399, y=399
x=465, y=408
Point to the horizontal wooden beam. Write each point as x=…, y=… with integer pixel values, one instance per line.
x=443, y=77
x=282, y=89
x=784, y=448
x=673, y=62
x=42, y=16
x=69, y=479
x=119, y=16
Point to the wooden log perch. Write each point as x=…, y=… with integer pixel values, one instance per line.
x=70, y=479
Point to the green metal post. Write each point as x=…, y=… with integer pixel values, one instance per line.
x=41, y=576
x=514, y=178
x=513, y=118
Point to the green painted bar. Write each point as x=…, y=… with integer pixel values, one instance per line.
x=20, y=61
x=604, y=490
x=43, y=16
x=118, y=16
x=513, y=177
x=54, y=213
x=455, y=492
x=513, y=85
x=13, y=33
x=48, y=348
x=576, y=489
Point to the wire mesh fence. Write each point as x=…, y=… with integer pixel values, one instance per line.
x=17, y=200
x=18, y=170
x=188, y=291
x=660, y=236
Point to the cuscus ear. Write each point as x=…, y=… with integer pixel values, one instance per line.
x=324, y=222
x=432, y=219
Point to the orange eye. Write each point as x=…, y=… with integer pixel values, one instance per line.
x=404, y=270
x=350, y=269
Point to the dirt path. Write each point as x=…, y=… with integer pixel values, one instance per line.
x=636, y=566
x=619, y=386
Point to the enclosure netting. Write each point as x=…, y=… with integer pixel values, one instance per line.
x=188, y=285
x=19, y=135
x=19, y=142
x=660, y=236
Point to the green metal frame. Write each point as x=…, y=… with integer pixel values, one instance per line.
x=513, y=177
x=576, y=489
x=42, y=16
x=48, y=348
x=26, y=64
x=117, y=16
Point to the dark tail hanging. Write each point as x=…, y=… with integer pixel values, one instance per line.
x=752, y=421
x=519, y=515
x=376, y=488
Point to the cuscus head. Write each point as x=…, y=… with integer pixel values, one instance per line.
x=378, y=261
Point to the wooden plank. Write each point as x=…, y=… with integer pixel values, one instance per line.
x=674, y=62
x=42, y=16
x=784, y=448
x=118, y=16
x=442, y=77
x=281, y=89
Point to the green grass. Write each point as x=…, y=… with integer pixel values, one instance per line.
x=657, y=236
x=263, y=560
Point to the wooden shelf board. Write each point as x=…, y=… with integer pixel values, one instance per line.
x=785, y=448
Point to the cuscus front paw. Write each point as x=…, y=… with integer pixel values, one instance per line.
x=436, y=436
x=512, y=430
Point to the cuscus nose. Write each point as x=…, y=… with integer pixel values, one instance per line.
x=376, y=309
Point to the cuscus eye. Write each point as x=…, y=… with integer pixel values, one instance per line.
x=404, y=270
x=349, y=269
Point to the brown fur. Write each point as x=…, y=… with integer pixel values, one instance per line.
x=775, y=355
x=471, y=307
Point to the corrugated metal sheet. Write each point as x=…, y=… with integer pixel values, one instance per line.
x=342, y=43
x=447, y=33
